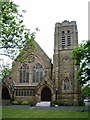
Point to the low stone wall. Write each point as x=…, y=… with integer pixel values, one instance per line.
x=25, y=98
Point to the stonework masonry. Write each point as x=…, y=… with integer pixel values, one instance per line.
x=47, y=81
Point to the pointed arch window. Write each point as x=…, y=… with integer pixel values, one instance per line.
x=63, y=39
x=68, y=38
x=24, y=74
x=66, y=84
x=37, y=73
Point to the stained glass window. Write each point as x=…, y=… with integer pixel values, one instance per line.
x=37, y=73
x=24, y=74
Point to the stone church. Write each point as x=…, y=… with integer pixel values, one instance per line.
x=39, y=79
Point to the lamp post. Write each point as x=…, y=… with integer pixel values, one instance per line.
x=56, y=93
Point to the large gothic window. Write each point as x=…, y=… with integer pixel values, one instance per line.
x=24, y=74
x=37, y=73
x=63, y=39
x=68, y=38
x=66, y=84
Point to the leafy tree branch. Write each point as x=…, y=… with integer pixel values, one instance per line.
x=81, y=57
x=14, y=35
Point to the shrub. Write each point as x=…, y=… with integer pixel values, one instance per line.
x=51, y=104
x=81, y=103
x=31, y=103
x=14, y=103
x=19, y=102
x=25, y=103
x=59, y=103
x=66, y=103
x=62, y=103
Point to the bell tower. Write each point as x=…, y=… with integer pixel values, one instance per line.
x=64, y=71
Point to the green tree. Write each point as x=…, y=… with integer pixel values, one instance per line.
x=5, y=72
x=81, y=57
x=13, y=34
x=86, y=91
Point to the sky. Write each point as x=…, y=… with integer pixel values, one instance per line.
x=43, y=14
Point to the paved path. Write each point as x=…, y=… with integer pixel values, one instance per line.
x=50, y=108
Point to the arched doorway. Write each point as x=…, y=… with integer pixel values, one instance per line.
x=5, y=94
x=46, y=94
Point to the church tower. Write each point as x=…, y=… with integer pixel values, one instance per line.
x=64, y=71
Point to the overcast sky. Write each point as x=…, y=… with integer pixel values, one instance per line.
x=43, y=14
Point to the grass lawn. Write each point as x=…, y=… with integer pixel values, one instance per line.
x=0, y=112
x=27, y=113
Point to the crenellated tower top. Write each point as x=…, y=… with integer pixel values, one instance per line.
x=66, y=35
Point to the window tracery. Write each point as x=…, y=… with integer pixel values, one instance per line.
x=63, y=39
x=68, y=38
x=24, y=74
x=37, y=73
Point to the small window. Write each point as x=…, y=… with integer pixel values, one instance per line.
x=68, y=38
x=16, y=93
x=25, y=93
x=30, y=93
x=21, y=93
x=33, y=93
x=63, y=39
x=66, y=84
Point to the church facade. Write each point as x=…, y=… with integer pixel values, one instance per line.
x=39, y=79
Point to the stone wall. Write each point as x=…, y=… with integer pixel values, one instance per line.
x=63, y=66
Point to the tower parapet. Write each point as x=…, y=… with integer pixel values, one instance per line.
x=65, y=23
x=66, y=35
